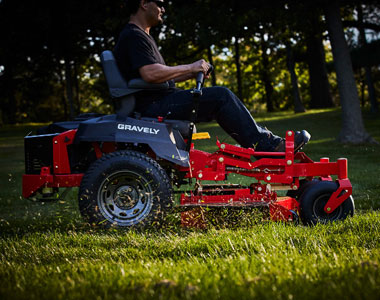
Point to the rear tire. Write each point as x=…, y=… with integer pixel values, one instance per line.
x=314, y=199
x=125, y=189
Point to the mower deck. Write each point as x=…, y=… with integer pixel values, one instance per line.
x=273, y=171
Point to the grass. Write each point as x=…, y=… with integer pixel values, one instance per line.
x=48, y=252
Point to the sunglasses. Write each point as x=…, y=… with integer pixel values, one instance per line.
x=159, y=3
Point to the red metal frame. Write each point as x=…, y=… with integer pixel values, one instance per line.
x=280, y=167
x=61, y=175
x=339, y=196
x=283, y=209
x=32, y=183
x=272, y=170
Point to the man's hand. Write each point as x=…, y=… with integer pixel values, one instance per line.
x=200, y=66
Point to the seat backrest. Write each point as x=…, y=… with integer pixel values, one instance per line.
x=121, y=91
x=122, y=95
x=117, y=85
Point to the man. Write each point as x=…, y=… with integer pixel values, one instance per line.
x=137, y=56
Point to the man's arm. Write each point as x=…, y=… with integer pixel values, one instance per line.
x=184, y=77
x=157, y=73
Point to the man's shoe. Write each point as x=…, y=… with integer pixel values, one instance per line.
x=301, y=138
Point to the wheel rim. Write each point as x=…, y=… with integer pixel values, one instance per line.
x=319, y=210
x=125, y=198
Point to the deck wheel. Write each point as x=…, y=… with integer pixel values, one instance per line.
x=314, y=199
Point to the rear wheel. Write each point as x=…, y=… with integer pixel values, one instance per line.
x=314, y=199
x=125, y=189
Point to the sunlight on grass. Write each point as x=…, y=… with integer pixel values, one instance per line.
x=321, y=141
x=278, y=116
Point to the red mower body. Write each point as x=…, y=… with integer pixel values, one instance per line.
x=272, y=172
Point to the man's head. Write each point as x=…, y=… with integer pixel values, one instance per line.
x=152, y=10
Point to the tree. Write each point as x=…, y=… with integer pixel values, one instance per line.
x=367, y=67
x=298, y=106
x=352, y=130
x=50, y=67
x=316, y=60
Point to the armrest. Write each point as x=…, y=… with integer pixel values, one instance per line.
x=139, y=83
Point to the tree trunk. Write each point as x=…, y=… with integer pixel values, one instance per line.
x=77, y=91
x=265, y=76
x=367, y=68
x=371, y=90
x=352, y=130
x=69, y=87
x=319, y=84
x=9, y=107
x=238, y=69
x=211, y=60
x=298, y=107
x=267, y=84
x=362, y=88
x=63, y=99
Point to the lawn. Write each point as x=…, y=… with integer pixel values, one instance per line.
x=48, y=252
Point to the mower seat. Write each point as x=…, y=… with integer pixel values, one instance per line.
x=123, y=93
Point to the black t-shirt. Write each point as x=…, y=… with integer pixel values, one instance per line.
x=135, y=49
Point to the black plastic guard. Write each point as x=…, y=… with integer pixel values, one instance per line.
x=112, y=128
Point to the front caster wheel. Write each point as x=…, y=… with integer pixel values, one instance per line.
x=314, y=199
x=125, y=189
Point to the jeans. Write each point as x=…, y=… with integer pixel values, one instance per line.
x=220, y=104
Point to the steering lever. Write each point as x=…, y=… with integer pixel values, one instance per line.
x=200, y=80
x=197, y=92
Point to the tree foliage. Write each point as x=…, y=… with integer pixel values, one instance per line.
x=274, y=54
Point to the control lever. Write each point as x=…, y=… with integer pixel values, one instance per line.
x=197, y=92
x=200, y=80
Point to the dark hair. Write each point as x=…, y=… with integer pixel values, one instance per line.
x=132, y=6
